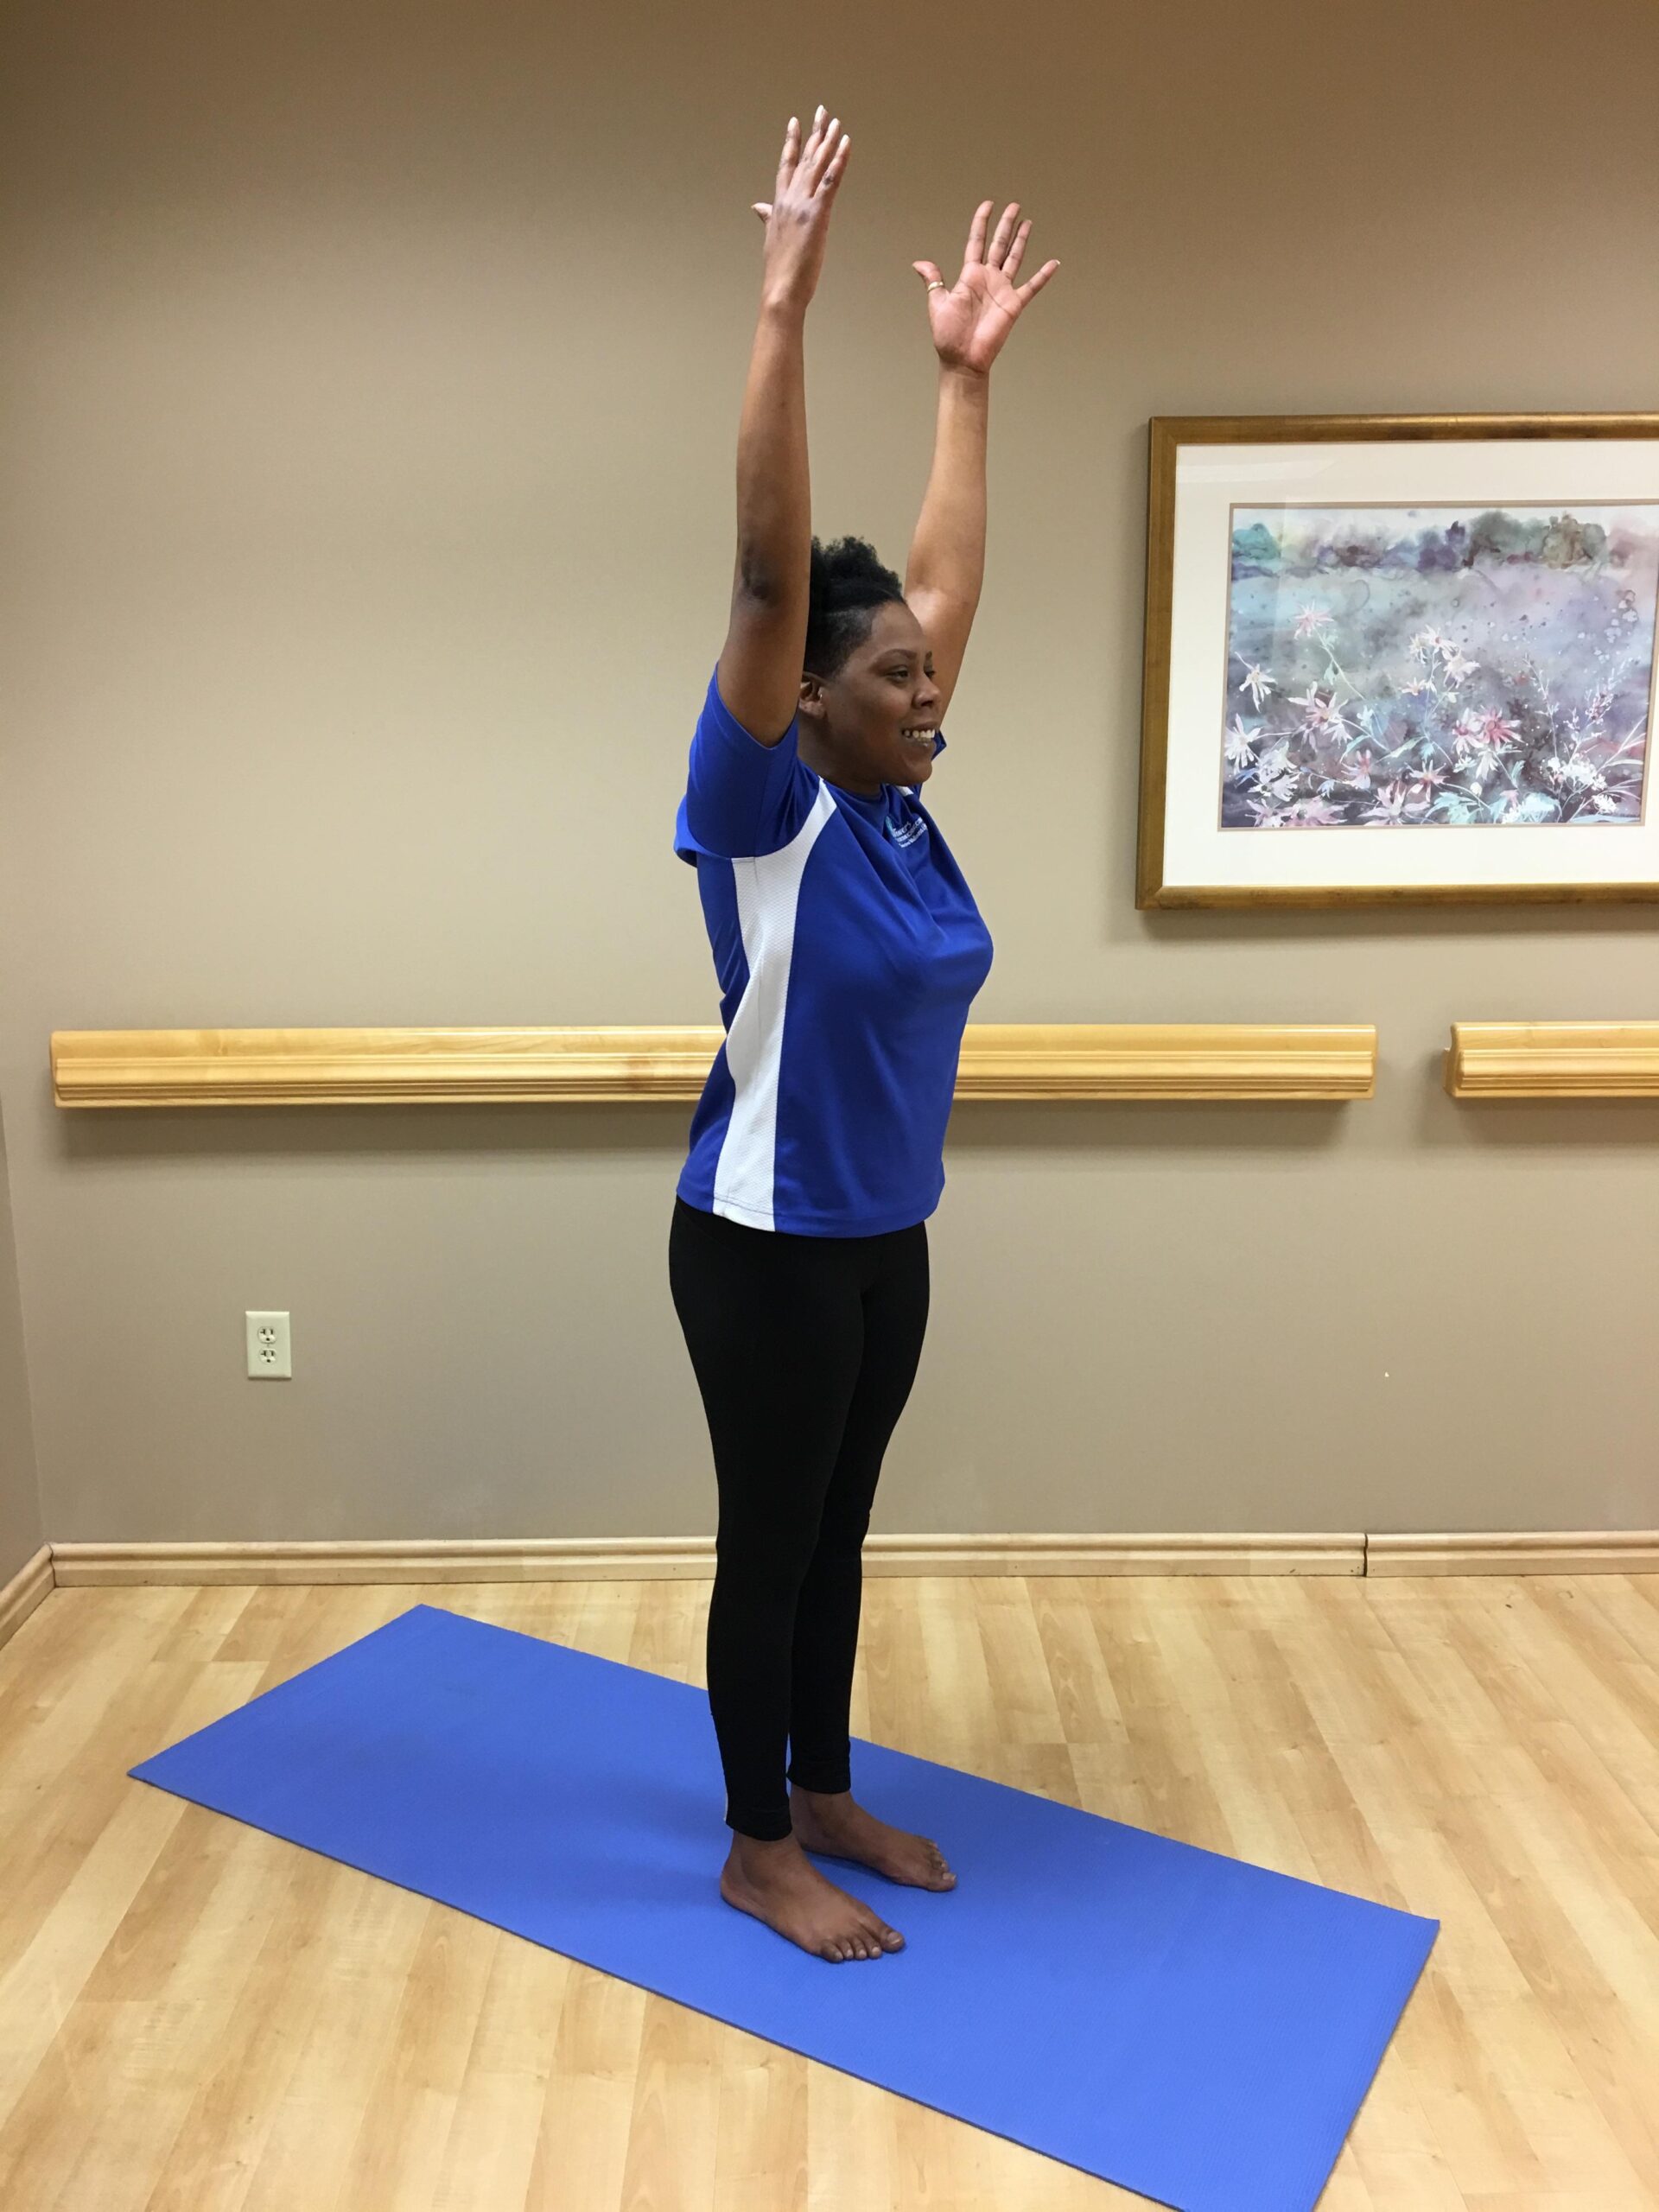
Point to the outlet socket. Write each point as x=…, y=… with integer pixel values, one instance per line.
x=269, y=1356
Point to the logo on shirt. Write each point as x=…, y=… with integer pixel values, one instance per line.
x=905, y=833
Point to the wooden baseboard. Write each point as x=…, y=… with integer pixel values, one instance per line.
x=635, y=1558
x=645, y=1558
x=19, y=1597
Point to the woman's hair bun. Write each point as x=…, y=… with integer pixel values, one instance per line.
x=848, y=582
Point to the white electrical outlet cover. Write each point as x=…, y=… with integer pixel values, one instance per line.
x=269, y=1357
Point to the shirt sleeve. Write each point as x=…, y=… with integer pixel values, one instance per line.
x=743, y=799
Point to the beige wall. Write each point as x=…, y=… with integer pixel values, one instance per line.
x=20, y=1498
x=372, y=381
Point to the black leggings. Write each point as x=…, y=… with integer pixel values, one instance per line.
x=804, y=1348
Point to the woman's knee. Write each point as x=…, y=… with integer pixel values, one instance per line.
x=762, y=1567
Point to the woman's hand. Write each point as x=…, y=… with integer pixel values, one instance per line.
x=972, y=320
x=797, y=215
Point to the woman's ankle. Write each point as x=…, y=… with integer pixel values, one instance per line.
x=763, y=1850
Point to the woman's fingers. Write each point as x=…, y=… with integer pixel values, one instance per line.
x=809, y=160
x=820, y=163
x=1007, y=248
x=1032, y=285
x=794, y=152
x=799, y=156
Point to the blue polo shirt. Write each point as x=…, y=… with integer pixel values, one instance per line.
x=848, y=948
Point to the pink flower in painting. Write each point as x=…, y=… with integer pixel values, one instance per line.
x=1312, y=621
x=1360, y=771
x=1313, y=814
x=1257, y=685
x=1274, y=762
x=1322, y=717
x=1240, y=742
x=1496, y=731
x=1390, y=806
x=1457, y=667
x=1264, y=805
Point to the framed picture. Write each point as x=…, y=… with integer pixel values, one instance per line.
x=1399, y=659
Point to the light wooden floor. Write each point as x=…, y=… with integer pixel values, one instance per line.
x=196, y=2017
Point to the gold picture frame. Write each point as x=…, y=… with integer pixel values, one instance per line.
x=1184, y=858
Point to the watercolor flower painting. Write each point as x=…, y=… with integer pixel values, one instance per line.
x=1442, y=666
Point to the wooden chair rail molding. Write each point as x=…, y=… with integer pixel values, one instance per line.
x=357, y=1067
x=1553, y=1059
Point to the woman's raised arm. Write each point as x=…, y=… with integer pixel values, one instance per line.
x=760, y=671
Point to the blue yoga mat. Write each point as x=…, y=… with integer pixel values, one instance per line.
x=1184, y=2024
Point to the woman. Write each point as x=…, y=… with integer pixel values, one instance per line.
x=849, y=949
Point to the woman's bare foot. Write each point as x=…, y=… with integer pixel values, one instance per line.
x=779, y=1885
x=841, y=1828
